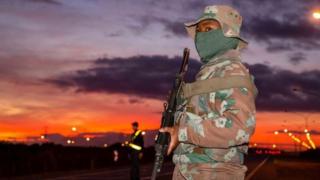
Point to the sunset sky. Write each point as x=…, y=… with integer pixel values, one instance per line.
x=99, y=65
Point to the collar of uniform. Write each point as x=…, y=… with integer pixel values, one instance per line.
x=232, y=54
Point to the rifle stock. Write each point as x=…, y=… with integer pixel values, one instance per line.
x=167, y=119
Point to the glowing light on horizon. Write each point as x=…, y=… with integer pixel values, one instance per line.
x=276, y=132
x=74, y=129
x=299, y=141
x=306, y=145
x=296, y=139
x=310, y=141
x=27, y=134
x=88, y=139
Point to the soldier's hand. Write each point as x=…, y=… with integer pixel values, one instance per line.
x=173, y=137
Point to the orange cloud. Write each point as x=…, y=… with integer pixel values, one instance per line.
x=42, y=108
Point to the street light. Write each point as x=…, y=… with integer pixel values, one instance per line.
x=316, y=15
x=314, y=18
x=74, y=129
x=310, y=141
x=276, y=132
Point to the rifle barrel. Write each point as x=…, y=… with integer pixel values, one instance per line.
x=167, y=119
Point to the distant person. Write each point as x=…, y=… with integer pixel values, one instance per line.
x=213, y=127
x=135, y=147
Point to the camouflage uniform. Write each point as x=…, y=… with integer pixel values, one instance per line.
x=215, y=127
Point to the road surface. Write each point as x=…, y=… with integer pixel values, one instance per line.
x=259, y=168
x=287, y=168
x=146, y=169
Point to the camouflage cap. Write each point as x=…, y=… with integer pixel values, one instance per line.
x=229, y=19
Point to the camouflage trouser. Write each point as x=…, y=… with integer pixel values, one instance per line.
x=207, y=173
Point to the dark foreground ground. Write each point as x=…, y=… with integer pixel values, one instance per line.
x=259, y=168
x=288, y=168
x=57, y=162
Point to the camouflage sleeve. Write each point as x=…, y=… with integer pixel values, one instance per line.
x=219, y=119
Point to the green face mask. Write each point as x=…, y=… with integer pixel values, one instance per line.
x=211, y=43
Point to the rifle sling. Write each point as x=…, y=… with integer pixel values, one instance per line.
x=216, y=84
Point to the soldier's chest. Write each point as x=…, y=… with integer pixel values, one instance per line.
x=215, y=70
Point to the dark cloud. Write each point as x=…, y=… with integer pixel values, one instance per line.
x=281, y=25
x=152, y=77
x=283, y=34
x=174, y=27
x=135, y=101
x=276, y=89
x=278, y=46
x=195, y=5
x=143, y=76
x=52, y=2
x=48, y=2
x=297, y=58
x=114, y=34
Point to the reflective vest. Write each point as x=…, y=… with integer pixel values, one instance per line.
x=134, y=146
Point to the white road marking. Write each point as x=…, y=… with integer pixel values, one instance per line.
x=250, y=175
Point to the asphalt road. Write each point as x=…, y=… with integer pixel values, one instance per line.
x=288, y=168
x=123, y=173
x=259, y=168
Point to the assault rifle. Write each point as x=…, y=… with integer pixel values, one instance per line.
x=167, y=119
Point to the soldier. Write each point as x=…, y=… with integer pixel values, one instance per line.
x=136, y=145
x=216, y=118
